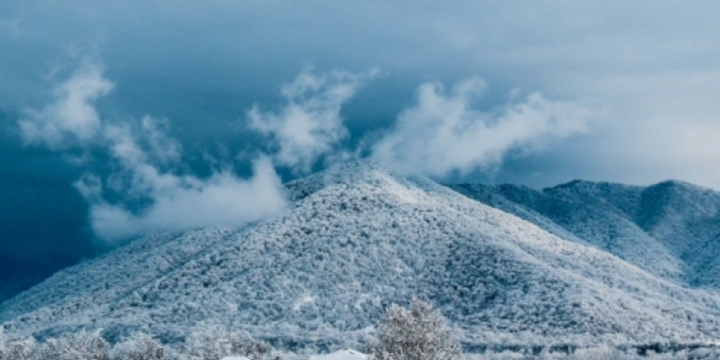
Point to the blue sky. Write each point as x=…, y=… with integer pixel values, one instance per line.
x=221, y=97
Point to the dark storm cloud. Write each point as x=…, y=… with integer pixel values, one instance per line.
x=42, y=217
x=203, y=65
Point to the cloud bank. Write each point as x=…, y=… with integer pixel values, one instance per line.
x=186, y=202
x=442, y=133
x=147, y=169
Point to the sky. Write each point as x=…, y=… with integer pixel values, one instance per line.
x=122, y=118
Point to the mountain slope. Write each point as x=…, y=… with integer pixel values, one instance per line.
x=583, y=221
x=671, y=229
x=357, y=238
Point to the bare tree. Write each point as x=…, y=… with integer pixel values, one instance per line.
x=415, y=333
x=139, y=346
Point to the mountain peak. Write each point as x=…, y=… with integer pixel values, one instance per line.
x=584, y=185
x=355, y=173
x=680, y=185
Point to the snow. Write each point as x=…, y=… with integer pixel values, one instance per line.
x=348, y=354
x=671, y=229
x=536, y=269
x=235, y=358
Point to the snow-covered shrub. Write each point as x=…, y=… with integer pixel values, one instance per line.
x=81, y=345
x=415, y=333
x=602, y=353
x=704, y=354
x=217, y=342
x=139, y=346
x=597, y=353
x=504, y=355
x=18, y=349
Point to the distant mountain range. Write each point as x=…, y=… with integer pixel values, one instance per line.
x=581, y=263
x=671, y=229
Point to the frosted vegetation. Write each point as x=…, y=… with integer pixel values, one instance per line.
x=584, y=269
x=211, y=344
x=414, y=333
x=671, y=229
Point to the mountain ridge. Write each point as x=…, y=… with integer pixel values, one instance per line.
x=356, y=238
x=674, y=220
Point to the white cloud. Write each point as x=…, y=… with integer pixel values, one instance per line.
x=188, y=202
x=72, y=117
x=442, y=133
x=163, y=148
x=138, y=175
x=309, y=125
x=147, y=169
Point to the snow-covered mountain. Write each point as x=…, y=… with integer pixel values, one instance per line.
x=671, y=229
x=518, y=267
